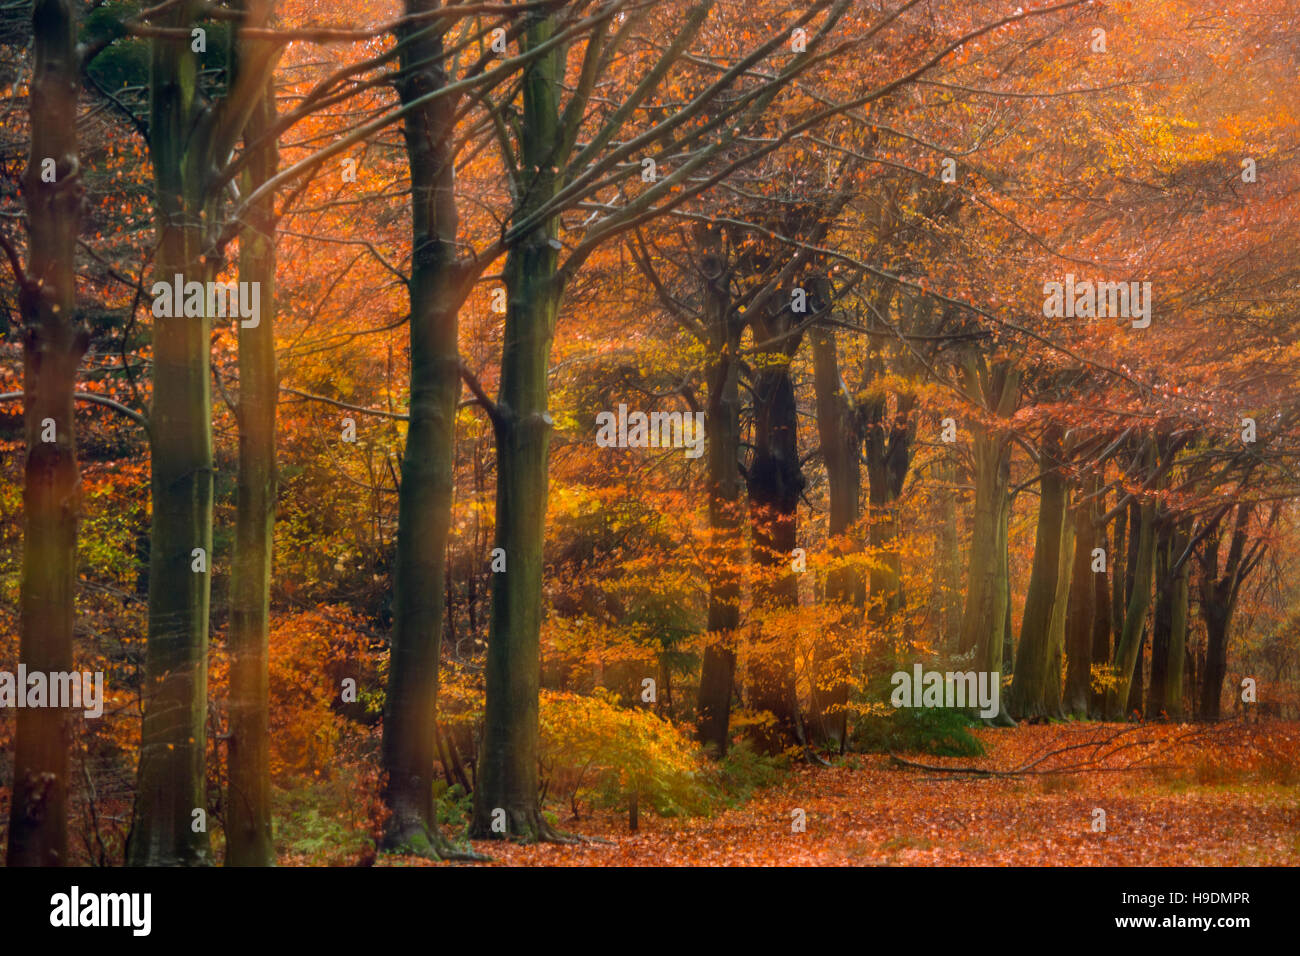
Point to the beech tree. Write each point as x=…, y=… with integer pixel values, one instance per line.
x=191, y=137
x=54, y=339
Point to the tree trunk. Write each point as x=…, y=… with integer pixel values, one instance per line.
x=1177, y=652
x=1217, y=618
x=190, y=138
x=774, y=483
x=722, y=439
x=425, y=496
x=1101, y=624
x=1056, y=640
x=1130, y=640
x=1033, y=655
x=53, y=344
x=984, y=620
x=507, y=778
x=1136, y=685
x=248, y=812
x=888, y=454
x=949, y=582
x=1081, y=607
x=840, y=442
x=1219, y=599
x=1119, y=574
x=1169, y=547
x=166, y=828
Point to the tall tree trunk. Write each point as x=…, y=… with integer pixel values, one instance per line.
x=190, y=140
x=1217, y=618
x=1219, y=599
x=1130, y=639
x=722, y=438
x=1162, y=618
x=840, y=442
x=53, y=344
x=1101, y=622
x=425, y=496
x=774, y=483
x=949, y=582
x=984, y=619
x=1082, y=607
x=1004, y=555
x=1177, y=652
x=1052, y=694
x=889, y=455
x=1134, y=703
x=1033, y=655
x=1118, y=562
x=248, y=809
x=167, y=828
x=507, y=779
x=1136, y=686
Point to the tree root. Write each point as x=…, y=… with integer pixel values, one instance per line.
x=414, y=838
x=525, y=826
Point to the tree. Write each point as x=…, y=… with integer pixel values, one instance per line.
x=53, y=342
x=437, y=288
x=1220, y=587
x=248, y=813
x=994, y=386
x=1030, y=695
x=191, y=138
x=548, y=175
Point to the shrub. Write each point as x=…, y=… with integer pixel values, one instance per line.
x=933, y=730
x=745, y=770
x=593, y=748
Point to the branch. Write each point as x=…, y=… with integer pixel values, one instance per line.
x=352, y=408
x=489, y=406
x=94, y=399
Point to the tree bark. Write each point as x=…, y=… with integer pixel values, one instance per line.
x=53, y=344
x=1216, y=661
x=1218, y=601
x=1056, y=640
x=425, y=496
x=1118, y=563
x=722, y=436
x=507, y=779
x=1168, y=622
x=889, y=455
x=1177, y=652
x=1101, y=623
x=949, y=583
x=774, y=482
x=248, y=808
x=1130, y=640
x=1033, y=654
x=984, y=619
x=1082, y=607
x=170, y=787
x=190, y=138
x=840, y=442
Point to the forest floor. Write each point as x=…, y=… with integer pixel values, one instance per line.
x=1179, y=795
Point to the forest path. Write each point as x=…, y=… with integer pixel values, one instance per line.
x=1227, y=795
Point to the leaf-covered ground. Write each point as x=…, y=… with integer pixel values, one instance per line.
x=1172, y=795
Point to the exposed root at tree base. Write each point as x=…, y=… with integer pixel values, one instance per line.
x=524, y=826
x=416, y=839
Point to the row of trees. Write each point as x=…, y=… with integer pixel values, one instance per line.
x=891, y=184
